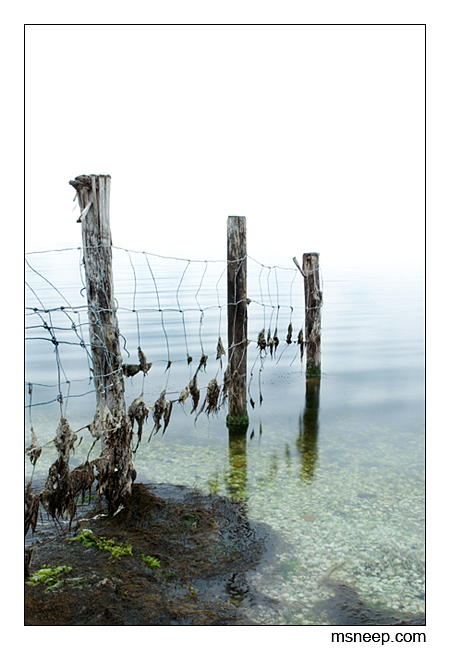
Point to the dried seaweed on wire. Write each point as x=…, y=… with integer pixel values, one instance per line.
x=34, y=450
x=167, y=414
x=289, y=334
x=138, y=412
x=212, y=398
x=81, y=479
x=184, y=395
x=143, y=364
x=220, y=351
x=161, y=409
x=276, y=340
x=130, y=369
x=301, y=343
x=202, y=363
x=194, y=391
x=56, y=497
x=65, y=438
x=31, y=508
x=261, y=343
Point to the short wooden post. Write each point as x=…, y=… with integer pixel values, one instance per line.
x=237, y=323
x=111, y=423
x=313, y=316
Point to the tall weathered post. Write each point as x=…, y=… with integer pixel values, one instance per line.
x=237, y=418
x=313, y=312
x=111, y=424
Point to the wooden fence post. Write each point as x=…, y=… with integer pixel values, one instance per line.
x=111, y=424
x=313, y=317
x=237, y=417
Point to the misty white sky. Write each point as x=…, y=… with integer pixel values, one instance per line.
x=314, y=133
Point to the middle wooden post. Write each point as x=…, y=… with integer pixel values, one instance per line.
x=237, y=417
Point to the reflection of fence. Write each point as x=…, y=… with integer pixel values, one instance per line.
x=158, y=311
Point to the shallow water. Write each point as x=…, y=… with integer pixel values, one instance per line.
x=336, y=467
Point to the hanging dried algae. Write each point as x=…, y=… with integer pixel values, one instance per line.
x=138, y=412
x=132, y=369
x=143, y=364
x=34, y=450
x=81, y=480
x=31, y=508
x=194, y=392
x=212, y=398
x=161, y=410
x=220, y=351
x=301, y=343
x=261, y=343
x=62, y=486
x=276, y=340
x=65, y=438
x=202, y=364
x=289, y=334
x=184, y=395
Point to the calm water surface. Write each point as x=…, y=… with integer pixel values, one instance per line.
x=335, y=467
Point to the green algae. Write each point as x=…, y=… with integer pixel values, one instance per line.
x=87, y=538
x=50, y=576
x=150, y=561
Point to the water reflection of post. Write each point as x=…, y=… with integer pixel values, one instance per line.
x=236, y=479
x=309, y=430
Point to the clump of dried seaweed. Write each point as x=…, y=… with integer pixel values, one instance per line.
x=34, y=450
x=65, y=438
x=202, y=363
x=212, y=398
x=56, y=497
x=143, y=364
x=81, y=480
x=184, y=395
x=289, y=334
x=261, y=343
x=276, y=340
x=31, y=508
x=162, y=409
x=194, y=392
x=138, y=412
x=272, y=342
x=301, y=343
x=220, y=351
x=62, y=486
x=132, y=369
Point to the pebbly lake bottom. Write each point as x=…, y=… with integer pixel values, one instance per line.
x=180, y=558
